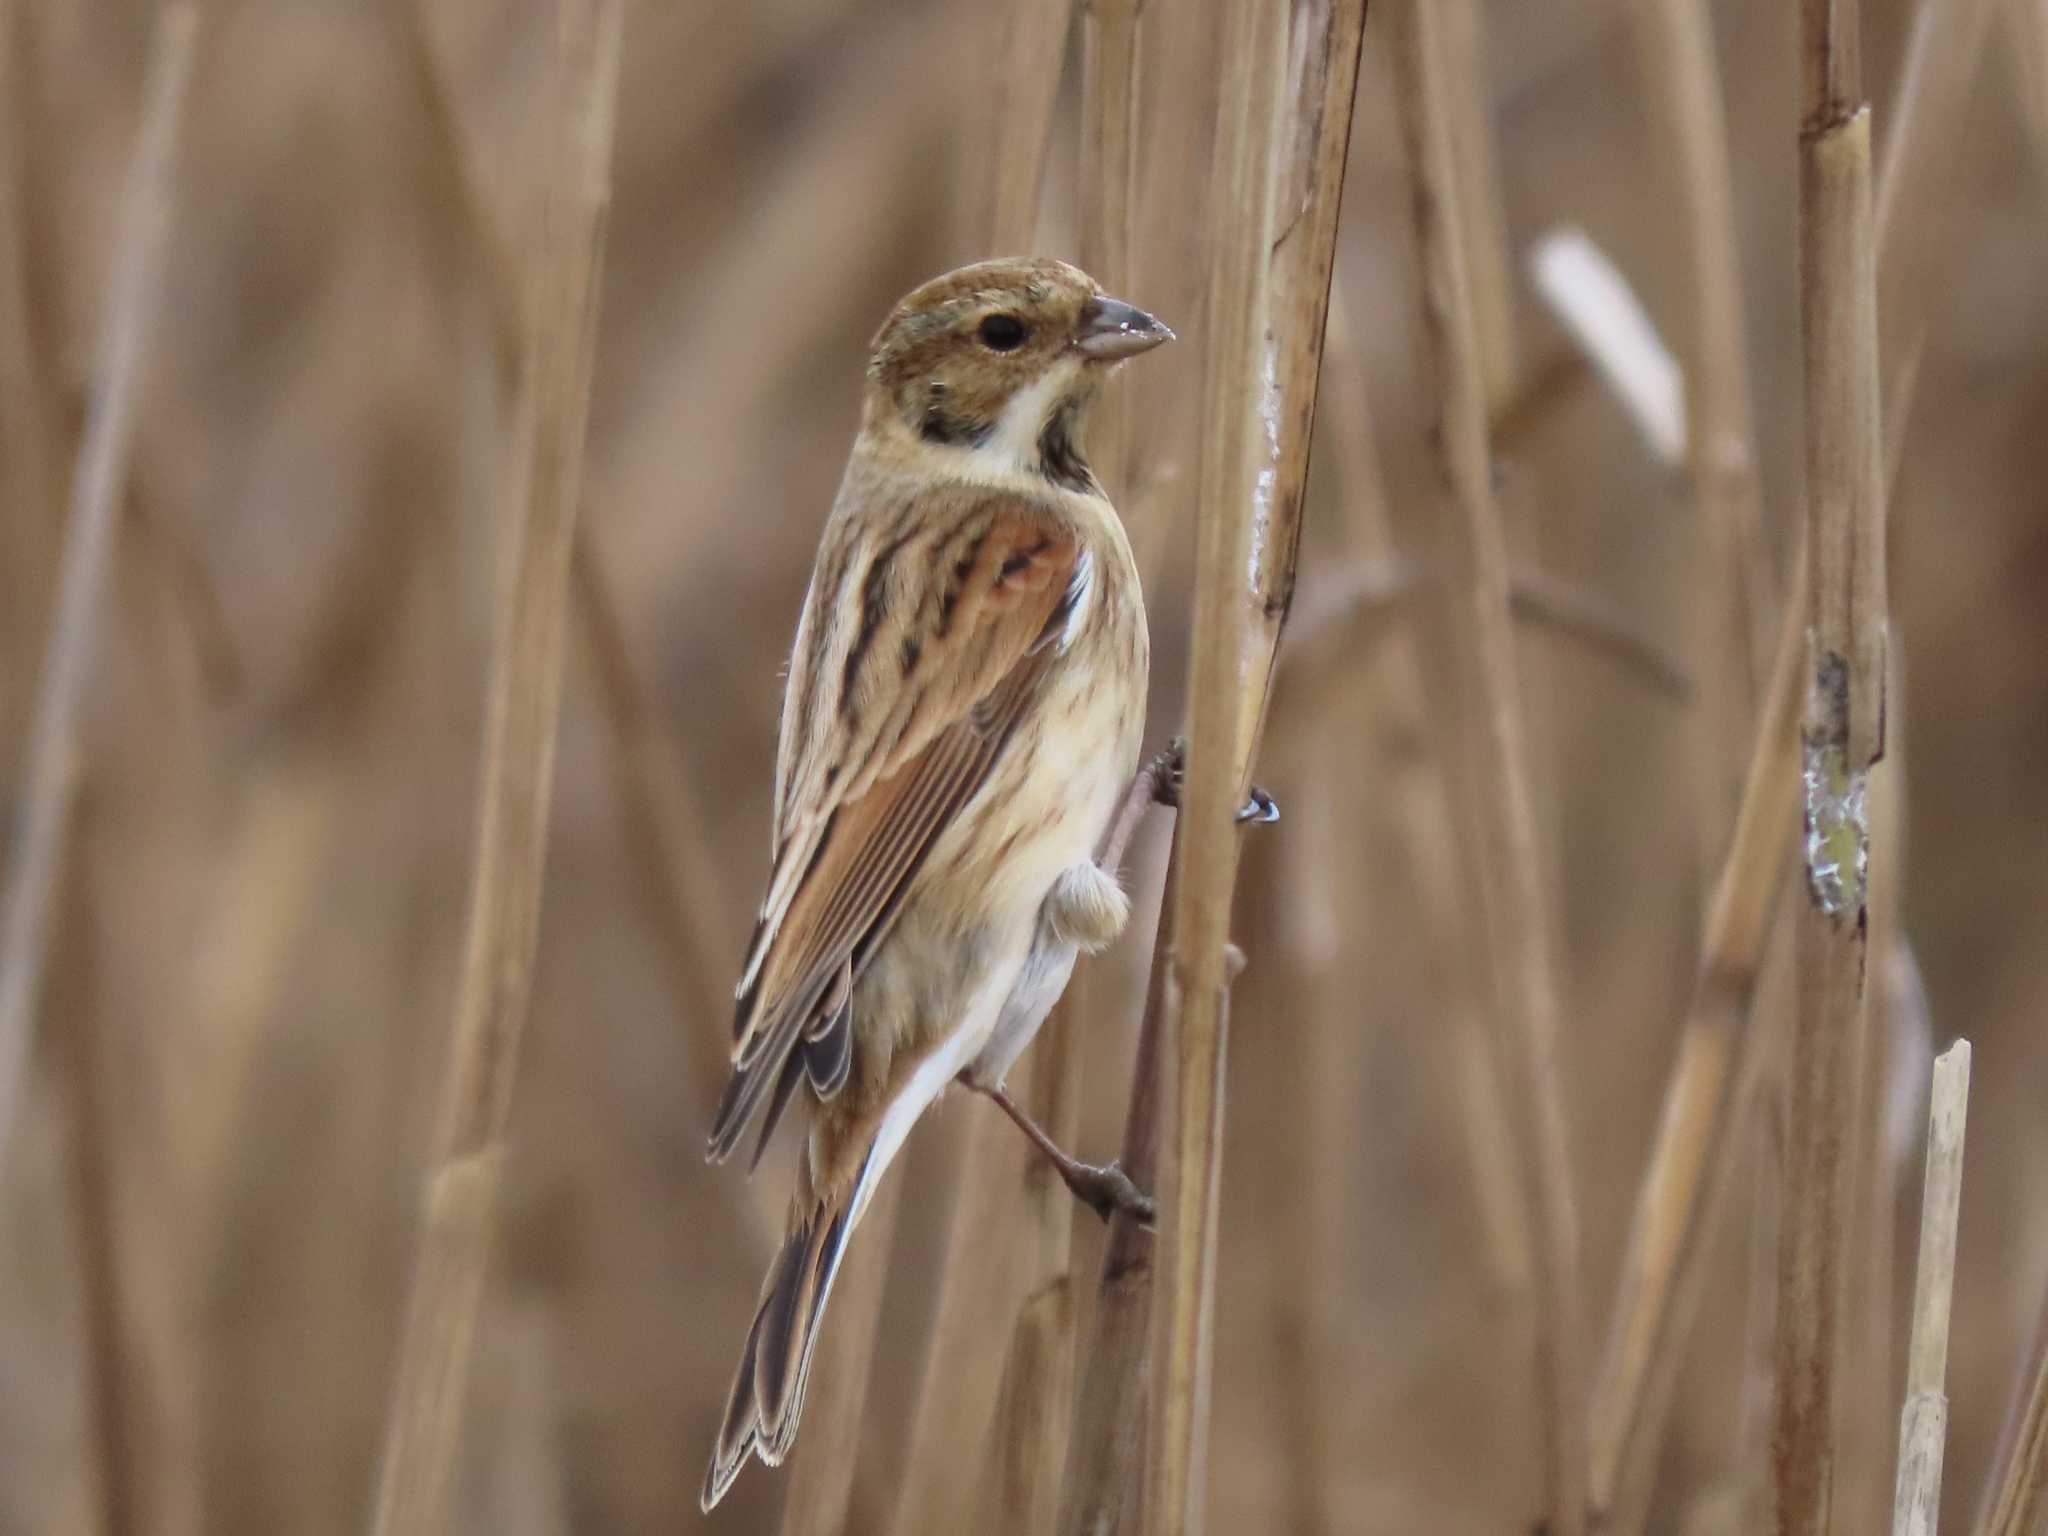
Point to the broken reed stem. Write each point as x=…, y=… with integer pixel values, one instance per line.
x=1494, y=781
x=1841, y=740
x=2016, y=1493
x=980, y=1287
x=97, y=490
x=1027, y=1437
x=423, y=1429
x=1923, y=1422
x=1268, y=304
x=1682, y=95
x=1241, y=200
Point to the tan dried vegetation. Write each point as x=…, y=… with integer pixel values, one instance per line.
x=415, y=423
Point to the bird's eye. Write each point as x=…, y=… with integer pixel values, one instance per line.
x=1003, y=333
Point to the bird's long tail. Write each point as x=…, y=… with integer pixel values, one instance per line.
x=775, y=1363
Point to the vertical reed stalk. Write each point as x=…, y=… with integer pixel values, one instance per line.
x=1494, y=782
x=1241, y=201
x=97, y=488
x=1269, y=292
x=1923, y=1422
x=1841, y=740
x=423, y=1429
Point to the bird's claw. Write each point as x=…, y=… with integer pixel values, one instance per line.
x=1169, y=777
x=1108, y=1189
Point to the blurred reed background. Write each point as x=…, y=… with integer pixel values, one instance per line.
x=211, y=1164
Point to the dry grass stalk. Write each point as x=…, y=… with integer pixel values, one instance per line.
x=1923, y=1422
x=1842, y=738
x=1233, y=402
x=1494, y=783
x=1267, y=308
x=2016, y=1495
x=982, y=1282
x=1681, y=93
x=423, y=1430
x=97, y=489
x=1027, y=1436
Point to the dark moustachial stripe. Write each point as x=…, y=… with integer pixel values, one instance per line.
x=1059, y=459
x=939, y=426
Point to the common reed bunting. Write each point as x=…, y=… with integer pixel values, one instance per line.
x=960, y=727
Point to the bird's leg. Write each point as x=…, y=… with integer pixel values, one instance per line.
x=1156, y=783
x=1105, y=1190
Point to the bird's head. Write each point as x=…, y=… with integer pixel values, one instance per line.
x=1002, y=359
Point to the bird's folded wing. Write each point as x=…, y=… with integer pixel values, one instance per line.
x=918, y=655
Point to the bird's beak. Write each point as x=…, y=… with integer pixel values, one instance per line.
x=1111, y=329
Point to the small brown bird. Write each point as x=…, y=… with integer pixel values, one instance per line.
x=962, y=716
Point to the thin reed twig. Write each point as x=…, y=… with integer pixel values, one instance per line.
x=1102, y=1486
x=423, y=1429
x=1842, y=737
x=97, y=489
x=1494, y=783
x=1692, y=1157
x=1268, y=303
x=1923, y=1421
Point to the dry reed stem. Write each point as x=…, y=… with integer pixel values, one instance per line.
x=1027, y=1435
x=1681, y=94
x=981, y=1286
x=1842, y=737
x=2016, y=1494
x=1102, y=1485
x=423, y=1429
x=96, y=495
x=1482, y=225
x=1494, y=781
x=1235, y=320
x=1268, y=303
x=821, y=1472
x=1691, y=1161
x=1923, y=1422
